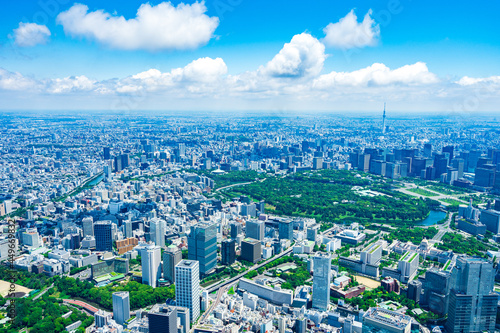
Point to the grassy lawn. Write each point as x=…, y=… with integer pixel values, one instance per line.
x=441, y=189
x=452, y=201
x=423, y=192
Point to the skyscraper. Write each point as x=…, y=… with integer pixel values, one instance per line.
x=187, y=287
x=162, y=319
x=255, y=229
x=437, y=290
x=171, y=257
x=285, y=229
x=157, y=231
x=88, y=226
x=383, y=121
x=251, y=250
x=235, y=229
x=202, y=246
x=228, y=251
x=127, y=226
x=321, y=282
x=449, y=150
x=473, y=305
x=427, y=150
x=151, y=265
x=107, y=153
x=103, y=236
x=121, y=307
x=182, y=149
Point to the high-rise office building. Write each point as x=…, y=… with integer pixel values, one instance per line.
x=101, y=318
x=251, y=250
x=151, y=265
x=485, y=175
x=107, y=153
x=121, y=306
x=228, y=251
x=449, y=150
x=162, y=319
x=317, y=163
x=427, y=150
x=414, y=290
x=312, y=233
x=436, y=287
x=187, y=287
x=88, y=226
x=182, y=149
x=285, y=229
x=183, y=315
x=127, y=229
x=103, y=236
x=440, y=165
x=473, y=305
x=248, y=210
x=364, y=162
x=321, y=282
x=202, y=246
x=235, y=229
x=157, y=231
x=459, y=165
x=171, y=257
x=255, y=229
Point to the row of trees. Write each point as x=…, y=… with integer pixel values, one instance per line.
x=328, y=196
x=25, y=279
x=459, y=244
x=141, y=295
x=44, y=315
x=414, y=235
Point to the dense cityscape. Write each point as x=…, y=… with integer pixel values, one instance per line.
x=235, y=222
x=232, y=166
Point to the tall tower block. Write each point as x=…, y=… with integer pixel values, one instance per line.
x=383, y=121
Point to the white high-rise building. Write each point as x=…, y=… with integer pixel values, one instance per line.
x=127, y=229
x=121, y=307
x=151, y=265
x=187, y=287
x=88, y=226
x=8, y=206
x=321, y=282
x=31, y=238
x=157, y=232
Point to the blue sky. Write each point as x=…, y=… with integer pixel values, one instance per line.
x=62, y=56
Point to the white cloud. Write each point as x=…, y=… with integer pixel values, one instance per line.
x=303, y=56
x=468, y=81
x=15, y=81
x=154, y=28
x=348, y=33
x=200, y=75
x=70, y=84
x=31, y=34
x=205, y=70
x=378, y=75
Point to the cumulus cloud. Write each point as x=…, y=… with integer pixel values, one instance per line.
x=200, y=73
x=378, y=75
x=31, y=34
x=154, y=28
x=469, y=81
x=348, y=33
x=15, y=81
x=303, y=56
x=70, y=84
